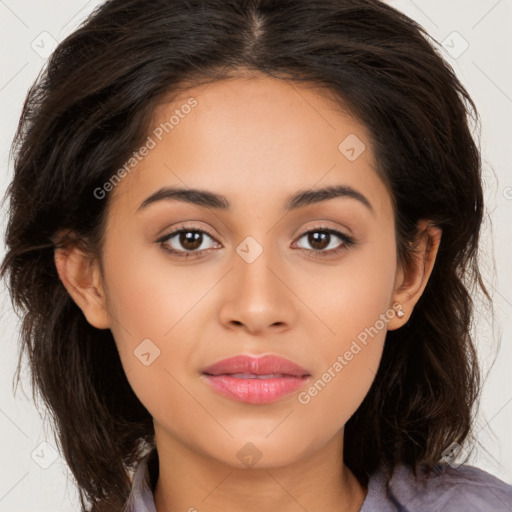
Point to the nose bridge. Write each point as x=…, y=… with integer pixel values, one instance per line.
x=259, y=298
x=257, y=265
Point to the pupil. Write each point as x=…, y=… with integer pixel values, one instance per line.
x=189, y=239
x=318, y=240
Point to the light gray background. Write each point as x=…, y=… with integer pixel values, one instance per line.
x=27, y=31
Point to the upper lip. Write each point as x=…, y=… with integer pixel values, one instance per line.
x=263, y=365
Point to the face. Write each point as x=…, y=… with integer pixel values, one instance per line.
x=255, y=272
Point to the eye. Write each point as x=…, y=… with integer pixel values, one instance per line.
x=321, y=238
x=184, y=242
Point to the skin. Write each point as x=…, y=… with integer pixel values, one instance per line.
x=257, y=141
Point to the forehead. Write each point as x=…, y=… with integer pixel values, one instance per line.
x=254, y=138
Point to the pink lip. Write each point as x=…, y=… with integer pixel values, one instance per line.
x=255, y=390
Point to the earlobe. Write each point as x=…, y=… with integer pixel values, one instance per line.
x=80, y=275
x=411, y=282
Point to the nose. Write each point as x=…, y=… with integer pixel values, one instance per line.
x=257, y=296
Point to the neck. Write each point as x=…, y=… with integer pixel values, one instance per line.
x=190, y=481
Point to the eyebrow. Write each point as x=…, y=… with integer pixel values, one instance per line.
x=209, y=199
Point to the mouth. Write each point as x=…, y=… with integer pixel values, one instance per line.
x=252, y=375
x=252, y=380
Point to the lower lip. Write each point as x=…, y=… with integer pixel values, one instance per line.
x=255, y=391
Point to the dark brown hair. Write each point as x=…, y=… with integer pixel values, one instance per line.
x=90, y=109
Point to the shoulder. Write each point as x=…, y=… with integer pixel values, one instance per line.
x=445, y=489
x=143, y=481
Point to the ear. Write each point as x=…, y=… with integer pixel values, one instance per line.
x=80, y=274
x=411, y=282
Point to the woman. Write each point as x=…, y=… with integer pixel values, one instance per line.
x=242, y=235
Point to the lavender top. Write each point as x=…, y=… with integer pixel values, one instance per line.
x=448, y=489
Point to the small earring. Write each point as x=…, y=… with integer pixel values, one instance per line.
x=400, y=313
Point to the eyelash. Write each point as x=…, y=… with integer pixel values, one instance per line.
x=347, y=242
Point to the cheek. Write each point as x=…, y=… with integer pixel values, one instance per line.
x=356, y=307
x=154, y=307
x=342, y=382
x=150, y=296
x=351, y=296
